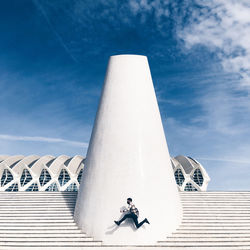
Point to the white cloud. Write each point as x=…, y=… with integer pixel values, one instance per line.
x=224, y=27
x=42, y=139
x=223, y=160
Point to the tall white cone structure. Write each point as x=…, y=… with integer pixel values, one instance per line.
x=128, y=157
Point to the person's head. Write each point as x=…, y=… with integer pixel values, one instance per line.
x=129, y=200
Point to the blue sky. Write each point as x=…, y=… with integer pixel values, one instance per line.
x=53, y=57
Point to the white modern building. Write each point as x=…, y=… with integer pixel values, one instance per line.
x=64, y=173
x=189, y=174
x=127, y=157
x=35, y=173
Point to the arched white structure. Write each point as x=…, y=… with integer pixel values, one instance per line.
x=185, y=172
x=35, y=173
x=190, y=175
x=128, y=157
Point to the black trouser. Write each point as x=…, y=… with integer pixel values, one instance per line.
x=135, y=219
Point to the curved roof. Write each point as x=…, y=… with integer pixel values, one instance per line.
x=35, y=173
x=189, y=173
x=64, y=172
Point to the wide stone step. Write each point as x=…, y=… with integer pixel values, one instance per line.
x=210, y=235
x=202, y=244
x=233, y=225
x=51, y=244
x=30, y=196
x=197, y=202
x=208, y=239
x=219, y=216
x=137, y=247
x=215, y=213
x=212, y=230
x=40, y=231
x=219, y=221
x=35, y=213
x=43, y=209
x=37, y=227
x=36, y=221
x=9, y=217
x=44, y=239
x=36, y=202
x=38, y=197
x=214, y=192
x=215, y=198
x=43, y=235
x=36, y=206
x=200, y=206
x=226, y=204
x=207, y=209
x=229, y=229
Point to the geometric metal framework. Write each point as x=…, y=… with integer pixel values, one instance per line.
x=64, y=173
x=35, y=173
x=25, y=177
x=189, y=174
x=6, y=177
x=197, y=177
x=189, y=187
x=179, y=177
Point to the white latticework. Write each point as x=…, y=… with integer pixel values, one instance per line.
x=189, y=174
x=34, y=173
x=63, y=173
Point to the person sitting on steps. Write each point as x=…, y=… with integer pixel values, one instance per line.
x=133, y=214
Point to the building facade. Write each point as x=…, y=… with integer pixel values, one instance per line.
x=63, y=173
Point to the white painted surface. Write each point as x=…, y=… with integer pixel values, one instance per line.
x=128, y=157
x=192, y=166
x=40, y=220
x=16, y=164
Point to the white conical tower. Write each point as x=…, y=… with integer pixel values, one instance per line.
x=128, y=157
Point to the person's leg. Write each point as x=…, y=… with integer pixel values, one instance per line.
x=138, y=225
x=122, y=219
x=135, y=219
x=141, y=223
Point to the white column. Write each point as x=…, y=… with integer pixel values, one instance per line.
x=128, y=157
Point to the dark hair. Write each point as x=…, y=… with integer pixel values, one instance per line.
x=130, y=199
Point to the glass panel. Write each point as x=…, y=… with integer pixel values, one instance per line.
x=12, y=188
x=80, y=176
x=32, y=163
x=25, y=178
x=6, y=177
x=72, y=188
x=190, y=187
x=44, y=177
x=32, y=187
x=52, y=187
x=197, y=177
x=179, y=177
x=50, y=162
x=12, y=165
x=64, y=177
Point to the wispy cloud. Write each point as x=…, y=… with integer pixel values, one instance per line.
x=223, y=26
x=223, y=160
x=53, y=29
x=43, y=139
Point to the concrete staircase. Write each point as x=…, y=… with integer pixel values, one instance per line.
x=40, y=219
x=44, y=220
x=213, y=220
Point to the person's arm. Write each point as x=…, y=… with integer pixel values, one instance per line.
x=125, y=209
